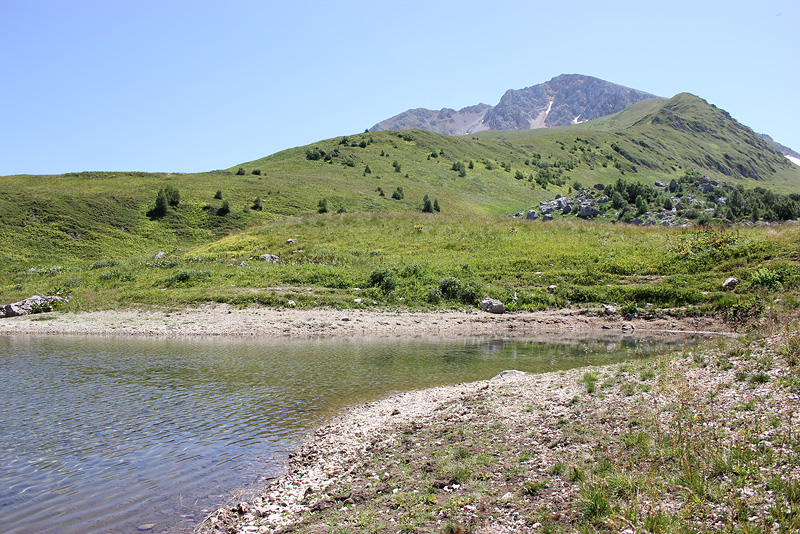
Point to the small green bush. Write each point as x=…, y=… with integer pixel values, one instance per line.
x=384, y=278
x=766, y=278
x=471, y=292
x=450, y=287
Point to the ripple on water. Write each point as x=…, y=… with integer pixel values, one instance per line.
x=108, y=434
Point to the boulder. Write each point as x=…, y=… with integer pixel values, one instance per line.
x=547, y=217
x=34, y=304
x=599, y=187
x=160, y=256
x=673, y=186
x=492, y=306
x=730, y=283
x=270, y=258
x=588, y=211
x=659, y=184
x=609, y=309
x=508, y=373
x=532, y=214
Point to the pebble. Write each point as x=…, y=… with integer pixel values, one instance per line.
x=148, y=526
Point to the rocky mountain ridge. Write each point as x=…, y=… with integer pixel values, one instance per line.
x=566, y=99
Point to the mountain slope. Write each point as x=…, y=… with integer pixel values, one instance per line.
x=566, y=99
x=104, y=216
x=444, y=121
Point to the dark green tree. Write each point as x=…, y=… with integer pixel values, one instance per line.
x=322, y=206
x=161, y=204
x=641, y=206
x=398, y=193
x=258, y=205
x=427, y=205
x=218, y=194
x=436, y=205
x=224, y=209
x=173, y=196
x=617, y=201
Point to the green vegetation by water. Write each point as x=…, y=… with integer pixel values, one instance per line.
x=413, y=219
x=429, y=261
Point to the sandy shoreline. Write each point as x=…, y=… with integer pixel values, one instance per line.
x=223, y=320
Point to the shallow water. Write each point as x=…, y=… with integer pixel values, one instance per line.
x=113, y=434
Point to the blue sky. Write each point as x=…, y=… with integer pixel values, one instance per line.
x=186, y=86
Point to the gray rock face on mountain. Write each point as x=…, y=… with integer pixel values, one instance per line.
x=445, y=121
x=566, y=99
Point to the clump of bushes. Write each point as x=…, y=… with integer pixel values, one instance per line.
x=384, y=278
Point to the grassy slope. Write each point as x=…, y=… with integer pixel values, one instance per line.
x=95, y=225
x=401, y=260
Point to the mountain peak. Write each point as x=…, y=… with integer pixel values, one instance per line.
x=565, y=99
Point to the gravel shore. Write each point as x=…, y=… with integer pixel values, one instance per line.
x=703, y=441
x=224, y=320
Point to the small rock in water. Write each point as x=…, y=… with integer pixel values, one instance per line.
x=148, y=526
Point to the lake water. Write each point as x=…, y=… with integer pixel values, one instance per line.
x=113, y=434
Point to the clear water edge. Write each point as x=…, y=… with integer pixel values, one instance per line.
x=109, y=434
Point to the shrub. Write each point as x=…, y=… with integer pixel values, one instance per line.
x=258, y=205
x=224, y=209
x=240, y=172
x=435, y=295
x=383, y=278
x=470, y=293
x=450, y=287
x=398, y=193
x=257, y=172
x=185, y=278
x=173, y=196
x=436, y=206
x=322, y=206
x=427, y=204
x=367, y=170
x=767, y=278
x=218, y=195
x=314, y=154
x=160, y=208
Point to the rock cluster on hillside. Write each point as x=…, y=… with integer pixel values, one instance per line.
x=695, y=199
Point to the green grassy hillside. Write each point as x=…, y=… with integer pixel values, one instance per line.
x=98, y=232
